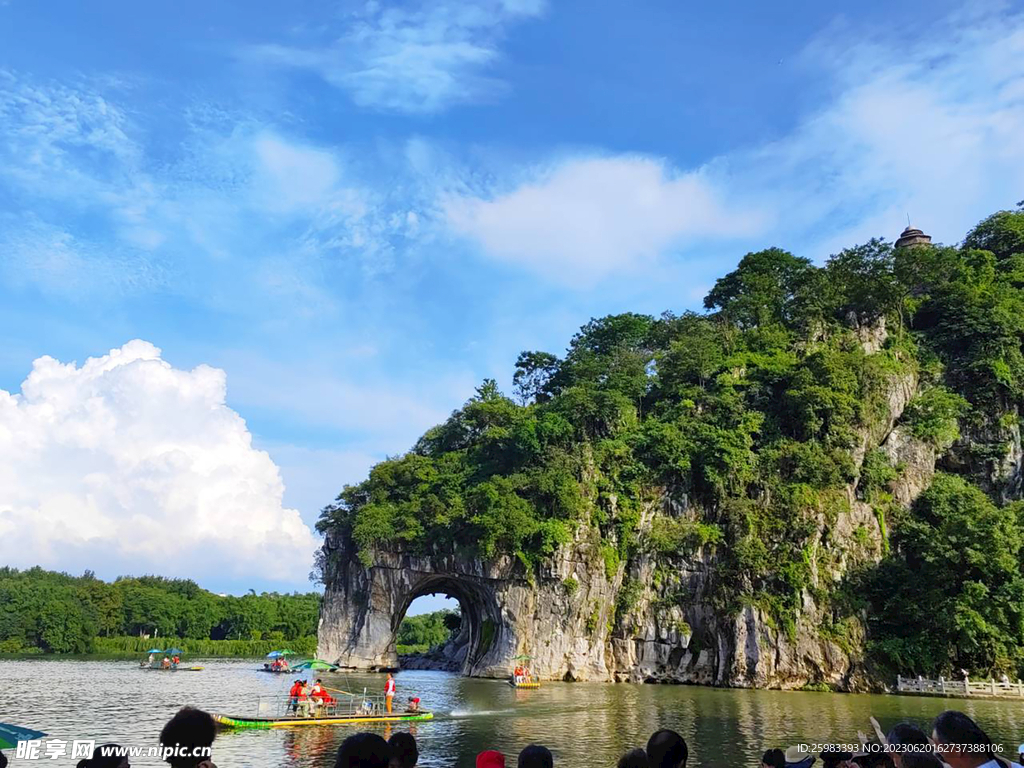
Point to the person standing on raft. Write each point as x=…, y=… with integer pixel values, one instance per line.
x=293, y=696
x=389, y=692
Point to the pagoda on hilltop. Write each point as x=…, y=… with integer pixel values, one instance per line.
x=912, y=237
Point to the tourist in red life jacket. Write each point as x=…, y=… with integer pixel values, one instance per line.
x=319, y=695
x=302, y=707
x=293, y=695
x=389, y=692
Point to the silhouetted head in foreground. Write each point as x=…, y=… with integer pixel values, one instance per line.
x=102, y=758
x=363, y=750
x=774, y=758
x=536, y=756
x=635, y=758
x=833, y=755
x=404, y=753
x=666, y=749
x=918, y=760
x=964, y=744
x=906, y=735
x=188, y=732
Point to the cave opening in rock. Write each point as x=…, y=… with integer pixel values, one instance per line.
x=442, y=624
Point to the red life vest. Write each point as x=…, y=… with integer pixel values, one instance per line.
x=295, y=691
x=389, y=688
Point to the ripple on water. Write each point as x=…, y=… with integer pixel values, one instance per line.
x=583, y=723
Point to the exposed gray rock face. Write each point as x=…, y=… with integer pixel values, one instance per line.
x=571, y=631
x=992, y=452
x=651, y=620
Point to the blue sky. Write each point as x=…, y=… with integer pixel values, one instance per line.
x=358, y=211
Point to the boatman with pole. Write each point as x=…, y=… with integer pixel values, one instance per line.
x=389, y=692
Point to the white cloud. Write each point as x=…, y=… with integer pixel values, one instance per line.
x=419, y=59
x=930, y=128
x=51, y=258
x=294, y=176
x=128, y=464
x=99, y=208
x=587, y=217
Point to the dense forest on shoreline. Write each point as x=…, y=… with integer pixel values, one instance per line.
x=49, y=612
x=751, y=428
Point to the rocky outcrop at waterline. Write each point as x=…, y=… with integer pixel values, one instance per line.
x=570, y=619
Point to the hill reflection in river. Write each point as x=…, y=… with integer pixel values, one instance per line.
x=583, y=724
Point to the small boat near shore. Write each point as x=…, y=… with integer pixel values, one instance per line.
x=170, y=663
x=292, y=721
x=171, y=669
x=279, y=662
x=521, y=677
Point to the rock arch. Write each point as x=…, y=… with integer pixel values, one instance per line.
x=572, y=615
x=364, y=606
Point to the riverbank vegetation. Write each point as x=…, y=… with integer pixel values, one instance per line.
x=47, y=612
x=754, y=418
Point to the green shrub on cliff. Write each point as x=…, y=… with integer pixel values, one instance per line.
x=755, y=415
x=934, y=416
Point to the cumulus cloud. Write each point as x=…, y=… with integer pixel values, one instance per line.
x=417, y=59
x=126, y=463
x=587, y=217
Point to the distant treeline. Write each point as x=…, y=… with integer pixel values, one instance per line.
x=138, y=646
x=49, y=612
x=418, y=634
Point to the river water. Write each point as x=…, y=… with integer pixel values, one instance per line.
x=588, y=724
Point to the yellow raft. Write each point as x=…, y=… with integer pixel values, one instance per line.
x=531, y=683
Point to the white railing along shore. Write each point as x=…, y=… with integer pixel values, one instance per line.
x=965, y=687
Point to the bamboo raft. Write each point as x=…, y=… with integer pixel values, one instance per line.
x=293, y=721
x=345, y=708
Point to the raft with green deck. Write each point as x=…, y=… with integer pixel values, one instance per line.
x=292, y=721
x=340, y=708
